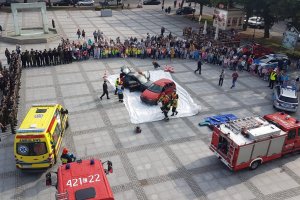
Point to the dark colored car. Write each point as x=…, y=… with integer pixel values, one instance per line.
x=65, y=2
x=154, y=91
x=46, y=2
x=135, y=80
x=151, y=2
x=185, y=10
x=8, y=2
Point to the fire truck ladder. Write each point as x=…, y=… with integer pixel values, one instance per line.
x=62, y=196
x=248, y=123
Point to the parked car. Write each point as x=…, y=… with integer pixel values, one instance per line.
x=8, y=2
x=185, y=10
x=106, y=3
x=151, y=2
x=257, y=22
x=255, y=49
x=64, y=3
x=154, y=91
x=46, y=2
x=85, y=2
x=271, y=60
x=135, y=80
x=295, y=30
x=285, y=98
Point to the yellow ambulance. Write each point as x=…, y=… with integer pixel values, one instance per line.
x=39, y=137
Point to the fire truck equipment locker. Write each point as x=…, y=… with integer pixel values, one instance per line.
x=244, y=154
x=260, y=149
x=276, y=146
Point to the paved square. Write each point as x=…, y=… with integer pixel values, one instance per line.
x=175, y=129
x=93, y=143
x=194, y=154
x=152, y=163
x=176, y=189
x=86, y=121
x=129, y=139
x=216, y=102
x=168, y=160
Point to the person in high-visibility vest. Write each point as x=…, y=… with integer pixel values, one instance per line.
x=116, y=85
x=272, y=79
x=174, y=105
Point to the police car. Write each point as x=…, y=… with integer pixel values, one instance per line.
x=271, y=60
x=285, y=98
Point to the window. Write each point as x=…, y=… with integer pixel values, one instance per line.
x=288, y=99
x=40, y=110
x=155, y=88
x=292, y=134
x=32, y=149
x=56, y=134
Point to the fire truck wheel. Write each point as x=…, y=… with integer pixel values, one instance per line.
x=255, y=165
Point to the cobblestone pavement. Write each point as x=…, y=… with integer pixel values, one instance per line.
x=167, y=160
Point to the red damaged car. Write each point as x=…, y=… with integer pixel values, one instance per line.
x=153, y=92
x=255, y=49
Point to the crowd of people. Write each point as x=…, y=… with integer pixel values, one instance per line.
x=9, y=87
x=156, y=47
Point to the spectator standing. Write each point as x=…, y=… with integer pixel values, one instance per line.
x=7, y=55
x=78, y=33
x=175, y=2
x=199, y=65
x=222, y=75
x=105, y=90
x=53, y=23
x=235, y=76
x=99, y=34
x=162, y=30
x=83, y=34
x=95, y=36
x=1, y=29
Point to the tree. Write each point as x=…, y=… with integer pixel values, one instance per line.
x=202, y=3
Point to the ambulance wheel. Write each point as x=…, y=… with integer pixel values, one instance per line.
x=255, y=165
x=67, y=124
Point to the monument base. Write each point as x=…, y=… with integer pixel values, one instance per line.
x=33, y=35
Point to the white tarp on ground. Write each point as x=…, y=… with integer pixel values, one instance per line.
x=139, y=112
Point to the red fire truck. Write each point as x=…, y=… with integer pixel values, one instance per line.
x=83, y=179
x=251, y=141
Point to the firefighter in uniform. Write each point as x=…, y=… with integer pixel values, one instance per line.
x=50, y=55
x=166, y=104
x=67, y=157
x=174, y=105
x=55, y=56
x=37, y=58
x=42, y=60
x=46, y=58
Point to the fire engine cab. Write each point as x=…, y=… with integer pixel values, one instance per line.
x=251, y=141
x=83, y=179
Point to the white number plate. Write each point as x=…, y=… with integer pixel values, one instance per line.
x=83, y=180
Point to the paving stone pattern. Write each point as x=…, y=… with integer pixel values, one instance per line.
x=168, y=160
